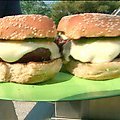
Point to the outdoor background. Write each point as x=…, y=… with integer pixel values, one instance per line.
x=58, y=9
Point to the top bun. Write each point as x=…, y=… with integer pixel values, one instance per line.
x=90, y=25
x=19, y=27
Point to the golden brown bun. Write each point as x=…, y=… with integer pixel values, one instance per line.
x=31, y=72
x=101, y=71
x=19, y=27
x=90, y=25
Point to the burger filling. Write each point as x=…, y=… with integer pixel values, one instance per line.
x=60, y=40
x=93, y=50
x=25, y=51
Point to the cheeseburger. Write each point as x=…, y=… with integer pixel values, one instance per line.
x=28, y=53
x=93, y=50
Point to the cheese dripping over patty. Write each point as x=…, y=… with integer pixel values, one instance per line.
x=11, y=51
x=96, y=51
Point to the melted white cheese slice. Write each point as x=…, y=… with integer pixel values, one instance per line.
x=13, y=51
x=94, y=52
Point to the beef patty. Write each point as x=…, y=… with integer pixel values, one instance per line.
x=38, y=55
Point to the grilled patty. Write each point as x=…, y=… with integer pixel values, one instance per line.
x=38, y=55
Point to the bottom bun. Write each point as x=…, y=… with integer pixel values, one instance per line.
x=29, y=73
x=101, y=71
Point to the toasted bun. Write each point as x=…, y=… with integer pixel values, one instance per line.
x=19, y=27
x=90, y=25
x=101, y=71
x=31, y=72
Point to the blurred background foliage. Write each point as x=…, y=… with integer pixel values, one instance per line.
x=35, y=7
x=58, y=9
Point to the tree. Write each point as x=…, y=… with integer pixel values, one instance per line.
x=35, y=7
x=63, y=8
